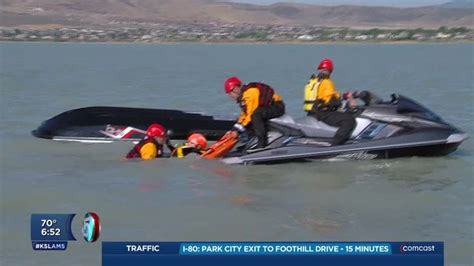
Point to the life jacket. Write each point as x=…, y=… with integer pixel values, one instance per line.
x=136, y=150
x=265, y=96
x=315, y=99
x=311, y=93
x=334, y=104
x=185, y=149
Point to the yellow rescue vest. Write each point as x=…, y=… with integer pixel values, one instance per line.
x=310, y=94
x=148, y=151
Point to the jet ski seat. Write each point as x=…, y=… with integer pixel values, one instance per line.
x=312, y=127
x=285, y=124
x=308, y=126
x=283, y=120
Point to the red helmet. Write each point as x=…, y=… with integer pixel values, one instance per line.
x=230, y=83
x=156, y=130
x=198, y=140
x=326, y=64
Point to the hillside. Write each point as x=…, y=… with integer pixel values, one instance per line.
x=18, y=13
x=459, y=4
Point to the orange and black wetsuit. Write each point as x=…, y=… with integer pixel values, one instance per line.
x=146, y=149
x=328, y=100
x=259, y=103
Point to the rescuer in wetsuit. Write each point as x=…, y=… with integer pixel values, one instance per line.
x=323, y=101
x=258, y=102
x=151, y=146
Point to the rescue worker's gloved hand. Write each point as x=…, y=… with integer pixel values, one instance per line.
x=238, y=127
x=365, y=96
x=350, y=102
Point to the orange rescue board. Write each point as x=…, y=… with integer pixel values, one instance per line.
x=220, y=148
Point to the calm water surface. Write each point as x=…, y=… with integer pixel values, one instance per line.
x=410, y=199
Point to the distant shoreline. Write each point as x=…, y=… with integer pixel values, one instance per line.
x=253, y=42
x=243, y=35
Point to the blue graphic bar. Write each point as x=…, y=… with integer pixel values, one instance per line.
x=49, y=245
x=285, y=248
x=258, y=253
x=51, y=227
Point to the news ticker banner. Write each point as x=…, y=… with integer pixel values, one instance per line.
x=256, y=253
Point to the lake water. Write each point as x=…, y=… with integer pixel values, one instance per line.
x=408, y=199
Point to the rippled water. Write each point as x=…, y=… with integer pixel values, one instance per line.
x=409, y=199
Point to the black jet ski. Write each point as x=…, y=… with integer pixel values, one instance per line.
x=111, y=124
x=400, y=127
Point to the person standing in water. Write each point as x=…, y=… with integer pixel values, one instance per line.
x=151, y=146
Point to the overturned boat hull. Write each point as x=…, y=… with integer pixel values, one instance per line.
x=111, y=124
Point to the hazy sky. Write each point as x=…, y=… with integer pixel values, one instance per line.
x=398, y=3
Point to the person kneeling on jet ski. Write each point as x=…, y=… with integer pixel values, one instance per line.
x=196, y=143
x=258, y=102
x=151, y=146
x=323, y=101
